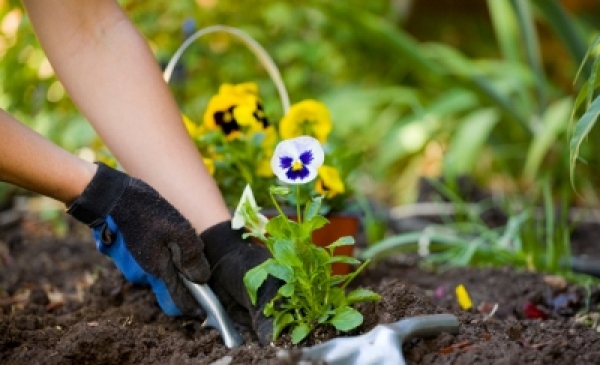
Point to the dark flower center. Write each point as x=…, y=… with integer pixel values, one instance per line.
x=226, y=121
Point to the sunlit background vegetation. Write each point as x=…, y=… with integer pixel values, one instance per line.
x=448, y=88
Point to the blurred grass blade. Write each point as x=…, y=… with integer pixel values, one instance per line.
x=414, y=54
x=459, y=70
x=566, y=29
x=411, y=134
x=593, y=80
x=374, y=27
x=510, y=237
x=505, y=25
x=409, y=242
x=549, y=219
x=532, y=50
x=489, y=92
x=555, y=122
x=581, y=101
x=582, y=129
x=470, y=137
x=590, y=84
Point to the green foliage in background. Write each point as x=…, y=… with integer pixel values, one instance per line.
x=489, y=102
x=536, y=236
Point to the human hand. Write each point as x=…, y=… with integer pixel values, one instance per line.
x=147, y=238
x=230, y=257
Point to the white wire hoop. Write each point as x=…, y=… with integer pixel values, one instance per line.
x=260, y=53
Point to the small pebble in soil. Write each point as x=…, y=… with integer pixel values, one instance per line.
x=225, y=360
x=555, y=282
x=38, y=296
x=514, y=332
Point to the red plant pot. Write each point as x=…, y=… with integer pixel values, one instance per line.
x=339, y=225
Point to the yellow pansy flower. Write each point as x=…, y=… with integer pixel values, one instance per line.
x=244, y=114
x=329, y=183
x=243, y=89
x=306, y=118
x=235, y=110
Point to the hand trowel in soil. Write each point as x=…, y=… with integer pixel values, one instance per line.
x=216, y=316
x=380, y=346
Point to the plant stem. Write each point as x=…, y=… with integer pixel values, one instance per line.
x=298, y=204
x=276, y=205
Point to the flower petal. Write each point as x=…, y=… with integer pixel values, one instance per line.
x=238, y=221
x=308, y=117
x=247, y=214
x=297, y=160
x=330, y=183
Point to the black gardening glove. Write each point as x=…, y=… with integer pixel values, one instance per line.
x=230, y=257
x=147, y=238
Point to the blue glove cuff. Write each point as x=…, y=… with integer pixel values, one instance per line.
x=132, y=271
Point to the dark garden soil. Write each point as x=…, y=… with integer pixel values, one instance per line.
x=62, y=302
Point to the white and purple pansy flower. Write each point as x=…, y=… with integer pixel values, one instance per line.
x=296, y=160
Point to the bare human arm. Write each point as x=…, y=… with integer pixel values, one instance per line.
x=109, y=71
x=34, y=163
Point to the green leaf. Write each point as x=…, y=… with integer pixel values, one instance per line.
x=346, y=318
x=300, y=332
x=582, y=128
x=319, y=255
x=338, y=279
x=312, y=208
x=343, y=260
x=280, y=323
x=278, y=227
x=255, y=277
x=316, y=222
x=283, y=252
x=337, y=296
x=269, y=309
x=287, y=290
x=280, y=271
x=342, y=241
x=279, y=190
x=362, y=295
x=324, y=317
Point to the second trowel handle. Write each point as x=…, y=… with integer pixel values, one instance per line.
x=425, y=326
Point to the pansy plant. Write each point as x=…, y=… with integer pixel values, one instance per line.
x=238, y=141
x=312, y=295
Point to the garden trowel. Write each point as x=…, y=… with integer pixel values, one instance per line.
x=380, y=346
x=216, y=316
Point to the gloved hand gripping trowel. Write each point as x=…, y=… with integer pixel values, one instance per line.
x=140, y=247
